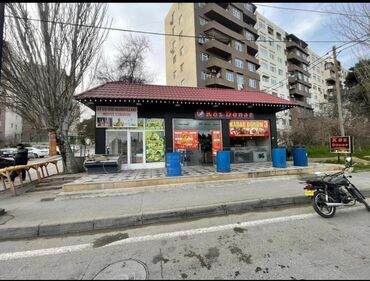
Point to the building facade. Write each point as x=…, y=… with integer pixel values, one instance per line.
x=10, y=127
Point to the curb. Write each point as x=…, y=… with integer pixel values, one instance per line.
x=152, y=217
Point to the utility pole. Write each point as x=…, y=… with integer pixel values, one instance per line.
x=339, y=99
x=2, y=16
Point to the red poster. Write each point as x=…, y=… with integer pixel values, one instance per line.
x=216, y=141
x=249, y=128
x=186, y=139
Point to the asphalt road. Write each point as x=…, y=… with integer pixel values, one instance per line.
x=285, y=244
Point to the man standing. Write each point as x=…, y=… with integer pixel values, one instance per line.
x=21, y=158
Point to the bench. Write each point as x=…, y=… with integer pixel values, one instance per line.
x=38, y=166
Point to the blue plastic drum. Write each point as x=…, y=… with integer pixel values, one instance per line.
x=223, y=161
x=173, y=165
x=300, y=156
x=279, y=157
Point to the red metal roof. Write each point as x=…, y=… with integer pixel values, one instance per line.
x=121, y=90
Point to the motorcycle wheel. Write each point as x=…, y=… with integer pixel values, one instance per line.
x=360, y=197
x=318, y=203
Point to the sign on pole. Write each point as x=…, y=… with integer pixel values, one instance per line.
x=341, y=144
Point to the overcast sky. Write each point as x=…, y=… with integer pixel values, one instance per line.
x=150, y=17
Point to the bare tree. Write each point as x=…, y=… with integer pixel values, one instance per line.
x=130, y=63
x=45, y=60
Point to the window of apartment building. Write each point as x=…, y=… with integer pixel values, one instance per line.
x=300, y=86
x=11, y=125
x=173, y=30
x=201, y=4
x=263, y=52
x=183, y=82
x=180, y=19
x=314, y=87
x=174, y=75
x=278, y=35
x=273, y=81
x=248, y=6
x=264, y=65
x=181, y=51
x=238, y=46
x=182, y=67
x=270, y=30
x=281, y=72
x=262, y=39
x=238, y=63
x=252, y=83
x=203, y=75
x=172, y=17
x=265, y=79
x=229, y=76
x=271, y=42
x=261, y=25
x=204, y=56
x=240, y=81
x=249, y=36
x=202, y=39
x=278, y=47
x=202, y=21
x=252, y=67
x=236, y=13
x=300, y=76
x=280, y=60
x=314, y=77
x=273, y=68
x=174, y=59
x=180, y=35
x=272, y=56
x=274, y=94
x=305, y=77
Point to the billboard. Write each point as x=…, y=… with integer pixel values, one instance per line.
x=341, y=144
x=249, y=128
x=116, y=117
x=186, y=139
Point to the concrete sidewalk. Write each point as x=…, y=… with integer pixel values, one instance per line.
x=44, y=213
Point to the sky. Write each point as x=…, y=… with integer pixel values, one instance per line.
x=150, y=17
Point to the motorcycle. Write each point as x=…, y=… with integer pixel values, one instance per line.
x=333, y=190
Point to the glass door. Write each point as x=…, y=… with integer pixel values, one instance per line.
x=116, y=141
x=136, y=147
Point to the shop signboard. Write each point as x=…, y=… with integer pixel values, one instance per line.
x=226, y=114
x=116, y=117
x=216, y=141
x=341, y=144
x=186, y=139
x=249, y=128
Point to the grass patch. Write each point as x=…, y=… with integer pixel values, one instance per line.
x=323, y=152
x=357, y=167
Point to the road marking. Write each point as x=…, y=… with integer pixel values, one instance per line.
x=169, y=235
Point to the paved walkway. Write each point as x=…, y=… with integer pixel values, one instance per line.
x=44, y=213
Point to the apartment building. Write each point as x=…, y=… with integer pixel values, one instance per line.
x=10, y=126
x=221, y=50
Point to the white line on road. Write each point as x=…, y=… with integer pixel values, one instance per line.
x=169, y=235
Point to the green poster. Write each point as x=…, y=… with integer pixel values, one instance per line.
x=154, y=146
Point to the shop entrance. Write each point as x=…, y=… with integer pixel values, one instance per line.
x=194, y=139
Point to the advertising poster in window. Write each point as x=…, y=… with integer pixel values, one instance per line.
x=216, y=141
x=116, y=117
x=249, y=128
x=186, y=139
x=341, y=144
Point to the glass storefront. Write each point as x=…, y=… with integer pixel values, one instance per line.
x=141, y=146
x=194, y=139
x=250, y=141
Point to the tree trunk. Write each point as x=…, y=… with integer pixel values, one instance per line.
x=70, y=164
x=52, y=143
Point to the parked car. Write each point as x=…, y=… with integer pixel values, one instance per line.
x=8, y=152
x=37, y=153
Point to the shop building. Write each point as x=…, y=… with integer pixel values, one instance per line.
x=142, y=122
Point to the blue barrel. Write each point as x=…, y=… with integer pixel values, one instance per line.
x=300, y=156
x=223, y=161
x=173, y=165
x=279, y=157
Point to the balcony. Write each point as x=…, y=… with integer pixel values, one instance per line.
x=293, y=44
x=251, y=59
x=329, y=75
x=217, y=27
x=301, y=103
x=294, y=68
x=218, y=48
x=295, y=58
x=221, y=15
x=216, y=63
x=219, y=82
x=294, y=90
x=293, y=80
x=252, y=17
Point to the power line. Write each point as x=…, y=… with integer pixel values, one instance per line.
x=167, y=34
x=312, y=11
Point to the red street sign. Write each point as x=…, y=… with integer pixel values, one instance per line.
x=341, y=144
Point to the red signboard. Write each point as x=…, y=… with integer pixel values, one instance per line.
x=341, y=145
x=186, y=139
x=249, y=128
x=216, y=141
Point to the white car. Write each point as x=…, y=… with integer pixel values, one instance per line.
x=37, y=153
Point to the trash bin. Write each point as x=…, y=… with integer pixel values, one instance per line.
x=173, y=165
x=223, y=161
x=279, y=157
x=300, y=156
